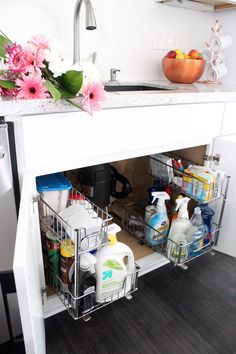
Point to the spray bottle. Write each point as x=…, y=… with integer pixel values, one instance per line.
x=158, y=224
x=176, y=245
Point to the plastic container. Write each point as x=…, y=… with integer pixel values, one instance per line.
x=87, y=283
x=176, y=245
x=207, y=215
x=85, y=219
x=156, y=187
x=177, y=250
x=199, y=182
x=67, y=251
x=197, y=233
x=53, y=258
x=54, y=190
x=112, y=270
x=158, y=223
x=161, y=166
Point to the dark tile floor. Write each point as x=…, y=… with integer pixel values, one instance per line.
x=174, y=312
x=12, y=348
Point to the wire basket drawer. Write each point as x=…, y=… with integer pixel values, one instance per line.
x=133, y=221
x=77, y=242
x=198, y=183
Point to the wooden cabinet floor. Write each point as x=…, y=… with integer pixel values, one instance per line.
x=173, y=312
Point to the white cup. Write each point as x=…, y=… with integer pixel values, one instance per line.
x=214, y=73
x=207, y=55
x=217, y=59
x=218, y=43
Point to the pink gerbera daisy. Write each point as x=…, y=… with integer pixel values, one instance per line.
x=33, y=60
x=40, y=41
x=93, y=94
x=31, y=86
x=15, y=62
x=8, y=92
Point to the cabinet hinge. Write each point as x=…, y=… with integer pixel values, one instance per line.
x=215, y=158
x=43, y=294
x=36, y=198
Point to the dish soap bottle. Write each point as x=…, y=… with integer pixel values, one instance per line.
x=115, y=262
x=207, y=215
x=177, y=243
x=158, y=224
x=196, y=233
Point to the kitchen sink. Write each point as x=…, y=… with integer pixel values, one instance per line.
x=135, y=87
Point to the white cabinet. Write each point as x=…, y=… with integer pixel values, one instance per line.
x=226, y=146
x=28, y=270
x=64, y=141
x=229, y=120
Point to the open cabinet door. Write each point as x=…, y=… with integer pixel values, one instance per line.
x=27, y=272
x=226, y=147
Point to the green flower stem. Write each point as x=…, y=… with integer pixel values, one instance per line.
x=4, y=35
x=73, y=103
x=49, y=76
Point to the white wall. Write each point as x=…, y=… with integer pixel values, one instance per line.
x=127, y=31
x=227, y=19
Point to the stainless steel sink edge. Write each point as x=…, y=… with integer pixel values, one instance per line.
x=137, y=86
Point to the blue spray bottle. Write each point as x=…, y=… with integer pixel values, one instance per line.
x=158, y=224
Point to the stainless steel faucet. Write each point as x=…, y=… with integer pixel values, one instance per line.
x=90, y=25
x=113, y=72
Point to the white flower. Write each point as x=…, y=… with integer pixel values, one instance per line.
x=90, y=73
x=59, y=67
x=55, y=52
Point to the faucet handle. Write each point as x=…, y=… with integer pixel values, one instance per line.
x=94, y=57
x=113, y=72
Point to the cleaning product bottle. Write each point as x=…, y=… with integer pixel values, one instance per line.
x=207, y=215
x=156, y=187
x=150, y=209
x=177, y=242
x=174, y=212
x=115, y=262
x=196, y=233
x=158, y=224
x=87, y=283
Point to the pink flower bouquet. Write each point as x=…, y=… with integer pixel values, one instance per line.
x=36, y=72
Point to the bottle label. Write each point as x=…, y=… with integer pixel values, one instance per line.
x=66, y=264
x=160, y=235
x=198, y=240
x=89, y=290
x=197, y=235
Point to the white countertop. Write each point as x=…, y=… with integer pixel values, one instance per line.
x=177, y=94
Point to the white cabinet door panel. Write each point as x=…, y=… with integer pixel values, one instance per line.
x=226, y=147
x=28, y=270
x=229, y=121
x=63, y=141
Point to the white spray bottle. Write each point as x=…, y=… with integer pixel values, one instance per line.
x=176, y=245
x=158, y=223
